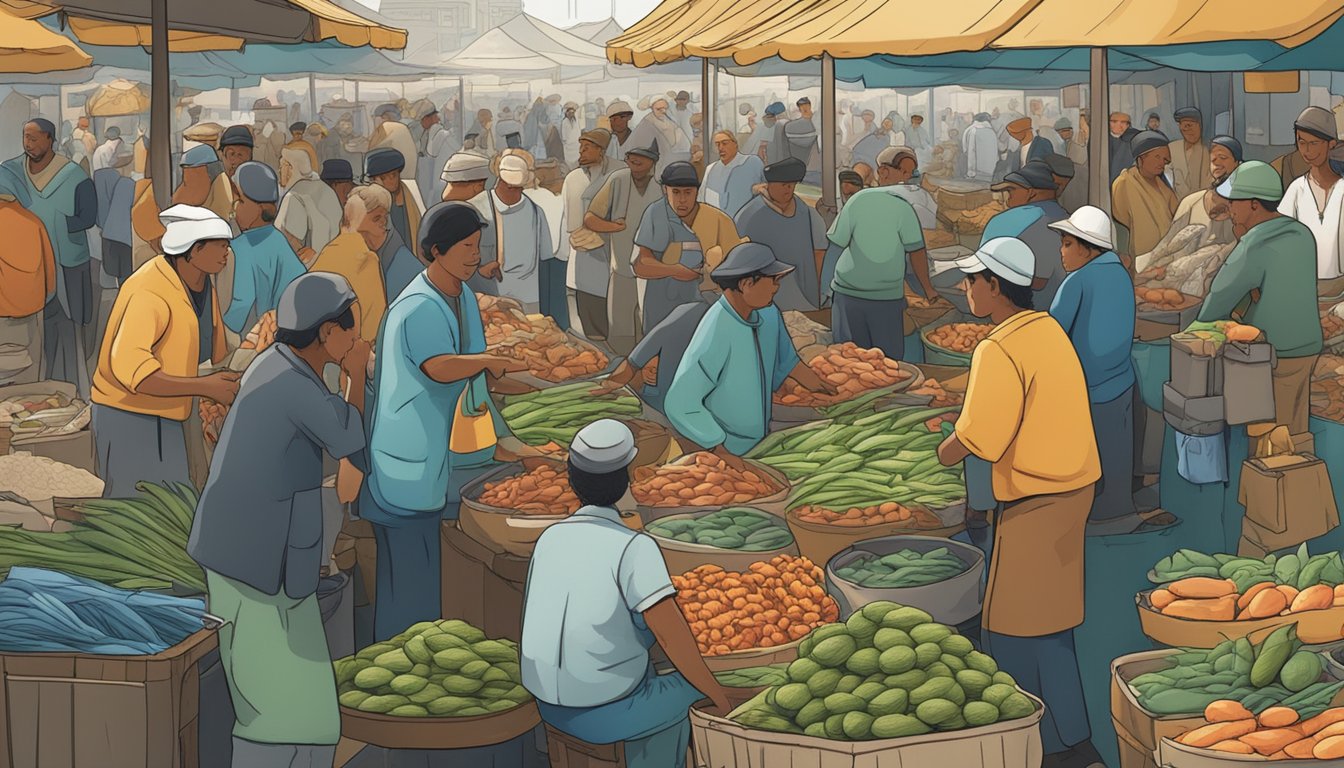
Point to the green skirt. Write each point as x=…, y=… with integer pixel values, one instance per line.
x=276, y=660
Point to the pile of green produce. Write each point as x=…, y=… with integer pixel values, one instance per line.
x=888, y=672
x=901, y=570
x=1299, y=570
x=739, y=528
x=434, y=669
x=1275, y=673
x=556, y=414
x=136, y=543
x=754, y=677
x=862, y=458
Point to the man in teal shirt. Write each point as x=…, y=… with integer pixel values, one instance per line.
x=1272, y=275
x=721, y=395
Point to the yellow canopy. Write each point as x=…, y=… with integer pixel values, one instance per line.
x=332, y=22
x=749, y=31
x=30, y=48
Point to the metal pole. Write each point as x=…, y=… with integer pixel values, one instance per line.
x=1098, y=142
x=160, y=110
x=707, y=107
x=312, y=97
x=461, y=109
x=827, y=206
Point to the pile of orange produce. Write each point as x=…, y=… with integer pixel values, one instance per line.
x=212, y=418
x=550, y=353
x=768, y=605
x=1163, y=298
x=542, y=490
x=1332, y=325
x=262, y=334
x=1278, y=733
x=856, y=517
x=851, y=368
x=975, y=219
x=941, y=397
x=1208, y=599
x=699, y=479
x=938, y=238
x=959, y=337
x=1327, y=388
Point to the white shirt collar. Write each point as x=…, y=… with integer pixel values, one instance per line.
x=505, y=207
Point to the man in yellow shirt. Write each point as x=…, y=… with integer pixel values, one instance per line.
x=165, y=323
x=352, y=254
x=1026, y=412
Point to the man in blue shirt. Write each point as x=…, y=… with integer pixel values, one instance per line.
x=1032, y=208
x=1095, y=306
x=730, y=181
x=264, y=261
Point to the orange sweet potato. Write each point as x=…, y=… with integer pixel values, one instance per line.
x=1271, y=741
x=1269, y=602
x=1226, y=711
x=1202, y=587
x=1233, y=746
x=1300, y=749
x=1288, y=592
x=1208, y=735
x=1313, y=598
x=1212, y=609
x=1161, y=598
x=1246, y=597
x=1278, y=717
x=1318, y=723
x=1329, y=749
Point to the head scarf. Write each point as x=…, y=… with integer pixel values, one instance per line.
x=187, y=225
x=302, y=164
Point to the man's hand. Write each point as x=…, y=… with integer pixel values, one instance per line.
x=721, y=704
x=497, y=366
x=607, y=386
x=222, y=387
x=684, y=273
x=492, y=271
x=822, y=385
x=356, y=362
x=619, y=225
x=307, y=256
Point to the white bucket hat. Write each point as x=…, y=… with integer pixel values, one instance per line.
x=1091, y=224
x=1005, y=257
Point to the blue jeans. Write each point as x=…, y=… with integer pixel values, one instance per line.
x=408, y=574
x=1047, y=667
x=870, y=324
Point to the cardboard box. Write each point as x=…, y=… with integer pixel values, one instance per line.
x=1198, y=416
x=1288, y=498
x=1247, y=382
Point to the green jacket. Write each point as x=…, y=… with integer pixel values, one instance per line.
x=1278, y=258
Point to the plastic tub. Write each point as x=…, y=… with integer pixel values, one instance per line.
x=820, y=542
x=951, y=601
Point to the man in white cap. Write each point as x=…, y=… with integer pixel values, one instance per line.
x=516, y=250
x=589, y=265
x=598, y=598
x=1093, y=305
x=1026, y=412
x=310, y=210
x=618, y=116
x=1316, y=198
x=673, y=144
x=165, y=323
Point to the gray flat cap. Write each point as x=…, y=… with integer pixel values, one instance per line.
x=680, y=174
x=1060, y=165
x=1317, y=121
x=199, y=155
x=1063, y=124
x=751, y=258
x=604, y=446
x=1189, y=113
x=1147, y=141
x=257, y=182
x=312, y=299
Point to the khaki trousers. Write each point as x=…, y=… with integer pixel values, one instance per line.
x=1292, y=392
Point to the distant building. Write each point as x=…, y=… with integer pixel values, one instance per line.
x=439, y=27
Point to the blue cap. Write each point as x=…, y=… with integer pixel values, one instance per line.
x=337, y=170
x=198, y=156
x=257, y=182
x=776, y=108
x=236, y=136
x=751, y=258
x=383, y=160
x=1034, y=175
x=312, y=299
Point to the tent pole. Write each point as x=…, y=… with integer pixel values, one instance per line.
x=312, y=96
x=160, y=111
x=707, y=108
x=1098, y=142
x=462, y=109
x=827, y=207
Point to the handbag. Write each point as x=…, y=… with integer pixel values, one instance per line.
x=472, y=431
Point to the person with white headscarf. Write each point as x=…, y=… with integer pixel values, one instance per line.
x=165, y=323
x=658, y=126
x=310, y=212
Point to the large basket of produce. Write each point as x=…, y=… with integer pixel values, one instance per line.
x=702, y=480
x=30, y=412
x=438, y=685
x=939, y=576
x=1332, y=326
x=38, y=480
x=757, y=616
x=1231, y=735
x=953, y=343
x=853, y=370
x=1205, y=599
x=551, y=355
x=889, y=687
x=732, y=538
x=1327, y=388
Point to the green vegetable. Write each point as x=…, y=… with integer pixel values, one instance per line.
x=556, y=414
x=901, y=570
x=1301, y=670
x=735, y=528
x=1277, y=648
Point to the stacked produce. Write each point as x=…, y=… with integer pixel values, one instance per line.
x=45, y=611
x=888, y=672
x=1219, y=332
x=902, y=569
x=974, y=220
x=550, y=353
x=542, y=490
x=262, y=335
x=855, y=517
x=38, y=477
x=434, y=669
x=754, y=677
x=851, y=368
x=699, y=479
x=860, y=460
x=1327, y=388
x=1332, y=324
x=1229, y=588
x=736, y=528
x=769, y=605
x=212, y=415
x=804, y=331
x=938, y=238
x=959, y=337
x=1275, y=673
x=30, y=416
x=126, y=543
x=1279, y=733
x=1163, y=298
x=941, y=397
x=556, y=414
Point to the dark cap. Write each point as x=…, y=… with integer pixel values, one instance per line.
x=1147, y=141
x=448, y=224
x=802, y=101
x=680, y=174
x=851, y=177
x=257, y=182
x=299, y=126
x=1230, y=144
x=337, y=170
x=1033, y=175
x=788, y=171
x=775, y=108
x=312, y=299
x=650, y=152
x=683, y=96
x=236, y=136
x=383, y=160
x=751, y=258
x=1060, y=165
x=1189, y=113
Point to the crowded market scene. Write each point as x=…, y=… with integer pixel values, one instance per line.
x=457, y=383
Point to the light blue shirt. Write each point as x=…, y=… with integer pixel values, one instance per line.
x=585, y=642
x=264, y=266
x=722, y=392
x=1092, y=305
x=728, y=187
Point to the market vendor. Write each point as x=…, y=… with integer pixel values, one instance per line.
x=1093, y=306
x=1026, y=412
x=664, y=344
x=1270, y=280
x=431, y=397
x=1141, y=198
x=258, y=527
x=598, y=597
x=264, y=261
x=741, y=353
x=165, y=322
x=1206, y=207
x=792, y=229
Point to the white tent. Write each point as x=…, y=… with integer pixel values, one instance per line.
x=597, y=32
x=527, y=48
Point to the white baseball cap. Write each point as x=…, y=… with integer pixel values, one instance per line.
x=1090, y=224
x=1006, y=257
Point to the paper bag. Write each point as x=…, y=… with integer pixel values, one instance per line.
x=1288, y=500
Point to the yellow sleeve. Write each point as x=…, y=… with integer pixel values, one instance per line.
x=143, y=323
x=1120, y=202
x=995, y=399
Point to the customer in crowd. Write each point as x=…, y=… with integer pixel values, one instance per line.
x=731, y=180
x=27, y=277
x=1292, y=165
x=662, y=347
x=384, y=168
x=1025, y=381
x=1141, y=199
x=1189, y=155
x=264, y=262
x=1029, y=145
x=522, y=257
x=1121, y=140
x=353, y=254
x=1032, y=207
x=589, y=261
x=235, y=148
x=618, y=117
x=793, y=231
x=898, y=171
x=1316, y=198
x=1206, y=207
x=338, y=175
x=1074, y=194
x=310, y=211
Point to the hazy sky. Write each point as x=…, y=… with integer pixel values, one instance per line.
x=563, y=12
